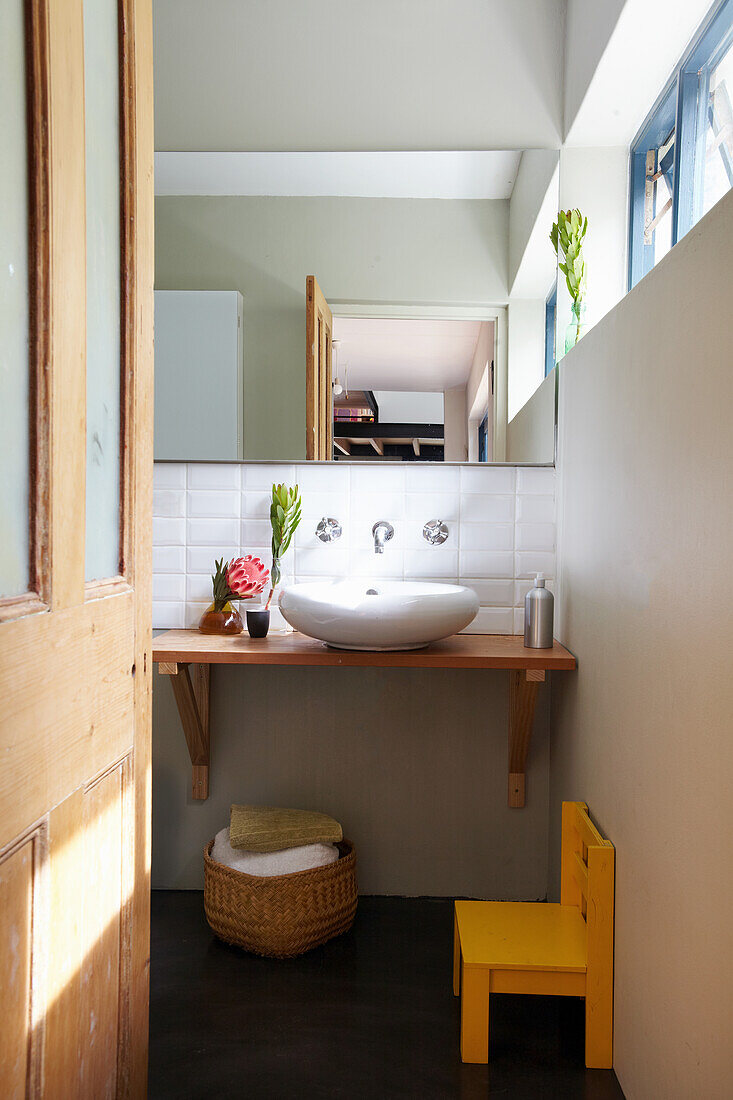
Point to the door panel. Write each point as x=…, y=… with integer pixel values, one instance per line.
x=318, y=391
x=75, y=659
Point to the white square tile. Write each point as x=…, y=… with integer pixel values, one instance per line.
x=168, y=616
x=168, y=586
x=202, y=559
x=209, y=532
x=427, y=506
x=535, y=536
x=487, y=479
x=487, y=536
x=169, y=559
x=528, y=563
x=198, y=587
x=255, y=532
x=212, y=503
x=169, y=475
x=486, y=563
x=492, y=620
x=377, y=479
x=328, y=560
x=536, y=479
x=389, y=505
x=432, y=562
x=429, y=477
x=484, y=508
x=263, y=476
x=491, y=593
x=535, y=509
x=169, y=502
x=332, y=477
x=169, y=532
x=193, y=613
x=255, y=504
x=365, y=563
x=214, y=475
x=519, y=620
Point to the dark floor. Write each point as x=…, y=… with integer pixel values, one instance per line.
x=371, y=1014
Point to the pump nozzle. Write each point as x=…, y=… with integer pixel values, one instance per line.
x=539, y=581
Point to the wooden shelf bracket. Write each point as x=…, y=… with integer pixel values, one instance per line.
x=523, y=684
x=191, y=692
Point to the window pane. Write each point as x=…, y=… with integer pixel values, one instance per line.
x=101, y=96
x=14, y=306
x=718, y=171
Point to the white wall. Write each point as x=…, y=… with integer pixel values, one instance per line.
x=643, y=731
x=596, y=182
x=455, y=425
x=530, y=435
x=532, y=210
x=619, y=55
x=477, y=388
x=416, y=407
x=360, y=250
x=589, y=25
x=337, y=74
x=526, y=348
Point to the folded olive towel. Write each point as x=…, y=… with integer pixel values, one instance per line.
x=270, y=829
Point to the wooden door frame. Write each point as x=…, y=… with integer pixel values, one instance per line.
x=498, y=314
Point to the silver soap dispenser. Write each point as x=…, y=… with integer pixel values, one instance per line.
x=539, y=607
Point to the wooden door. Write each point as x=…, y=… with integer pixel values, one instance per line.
x=318, y=391
x=75, y=668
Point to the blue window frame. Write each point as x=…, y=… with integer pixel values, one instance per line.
x=550, y=314
x=682, y=158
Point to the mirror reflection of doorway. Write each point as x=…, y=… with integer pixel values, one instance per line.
x=410, y=389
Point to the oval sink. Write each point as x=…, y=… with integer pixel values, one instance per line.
x=379, y=615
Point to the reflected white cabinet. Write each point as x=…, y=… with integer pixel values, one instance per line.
x=199, y=401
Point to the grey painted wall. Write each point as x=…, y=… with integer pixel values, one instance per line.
x=342, y=74
x=643, y=731
x=369, y=250
x=412, y=762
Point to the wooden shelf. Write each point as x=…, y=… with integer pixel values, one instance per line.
x=175, y=650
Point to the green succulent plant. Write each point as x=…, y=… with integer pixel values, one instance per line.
x=567, y=239
x=284, y=517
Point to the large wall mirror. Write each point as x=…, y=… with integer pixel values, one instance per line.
x=356, y=306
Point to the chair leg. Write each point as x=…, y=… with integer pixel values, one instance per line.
x=599, y=1032
x=475, y=1014
x=456, y=958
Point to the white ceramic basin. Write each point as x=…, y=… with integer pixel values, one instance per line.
x=378, y=615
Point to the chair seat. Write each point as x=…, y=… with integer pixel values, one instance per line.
x=505, y=935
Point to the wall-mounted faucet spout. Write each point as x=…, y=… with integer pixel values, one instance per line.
x=382, y=532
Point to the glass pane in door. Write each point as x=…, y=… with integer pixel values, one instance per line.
x=14, y=306
x=102, y=108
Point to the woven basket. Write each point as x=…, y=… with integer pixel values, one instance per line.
x=281, y=915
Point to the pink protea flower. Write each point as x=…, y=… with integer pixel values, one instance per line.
x=247, y=577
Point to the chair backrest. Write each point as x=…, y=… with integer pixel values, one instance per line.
x=587, y=880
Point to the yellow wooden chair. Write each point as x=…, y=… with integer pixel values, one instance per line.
x=533, y=947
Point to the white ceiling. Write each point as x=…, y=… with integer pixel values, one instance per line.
x=421, y=175
x=342, y=74
x=407, y=355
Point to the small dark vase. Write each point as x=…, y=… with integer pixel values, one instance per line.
x=258, y=623
x=226, y=621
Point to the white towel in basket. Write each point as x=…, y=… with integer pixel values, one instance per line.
x=266, y=864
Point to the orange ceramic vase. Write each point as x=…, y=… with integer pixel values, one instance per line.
x=226, y=621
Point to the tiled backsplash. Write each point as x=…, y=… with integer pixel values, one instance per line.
x=501, y=522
